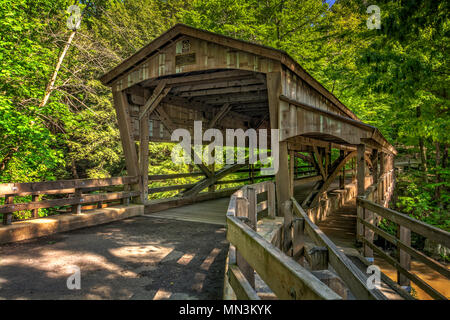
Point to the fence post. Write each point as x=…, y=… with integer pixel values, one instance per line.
x=252, y=207
x=404, y=235
x=35, y=212
x=361, y=177
x=287, y=227
x=7, y=217
x=247, y=270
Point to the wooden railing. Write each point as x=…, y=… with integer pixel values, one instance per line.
x=68, y=194
x=372, y=206
x=171, y=186
x=250, y=252
x=344, y=267
x=301, y=173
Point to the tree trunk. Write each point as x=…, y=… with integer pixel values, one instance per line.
x=423, y=155
x=437, y=189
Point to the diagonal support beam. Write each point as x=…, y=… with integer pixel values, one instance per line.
x=219, y=116
x=165, y=120
x=158, y=94
x=332, y=176
x=320, y=162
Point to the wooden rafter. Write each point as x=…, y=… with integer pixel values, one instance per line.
x=220, y=114
x=206, y=92
x=332, y=176
x=167, y=122
x=205, y=183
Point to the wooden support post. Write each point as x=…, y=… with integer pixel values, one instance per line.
x=404, y=235
x=126, y=135
x=274, y=91
x=342, y=177
x=35, y=212
x=143, y=155
x=7, y=217
x=317, y=257
x=76, y=208
x=246, y=269
x=298, y=236
x=327, y=160
x=252, y=207
x=287, y=227
x=360, y=177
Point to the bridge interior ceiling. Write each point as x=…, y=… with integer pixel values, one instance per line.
x=244, y=92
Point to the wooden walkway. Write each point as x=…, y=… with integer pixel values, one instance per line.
x=211, y=212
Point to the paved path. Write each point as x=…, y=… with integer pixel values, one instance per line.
x=137, y=258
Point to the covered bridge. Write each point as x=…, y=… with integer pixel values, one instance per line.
x=290, y=233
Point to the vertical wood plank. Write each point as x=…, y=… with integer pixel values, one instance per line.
x=287, y=227
x=246, y=269
x=76, y=208
x=252, y=207
x=271, y=199
x=291, y=172
x=144, y=134
x=342, y=177
x=404, y=235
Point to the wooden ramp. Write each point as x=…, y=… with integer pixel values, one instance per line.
x=211, y=212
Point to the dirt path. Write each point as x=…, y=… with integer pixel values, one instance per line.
x=138, y=258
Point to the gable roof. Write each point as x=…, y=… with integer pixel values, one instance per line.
x=264, y=51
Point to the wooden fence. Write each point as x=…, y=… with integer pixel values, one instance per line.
x=69, y=194
x=372, y=207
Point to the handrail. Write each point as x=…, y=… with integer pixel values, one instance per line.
x=249, y=251
x=74, y=188
x=346, y=269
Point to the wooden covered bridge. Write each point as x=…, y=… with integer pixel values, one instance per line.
x=292, y=235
